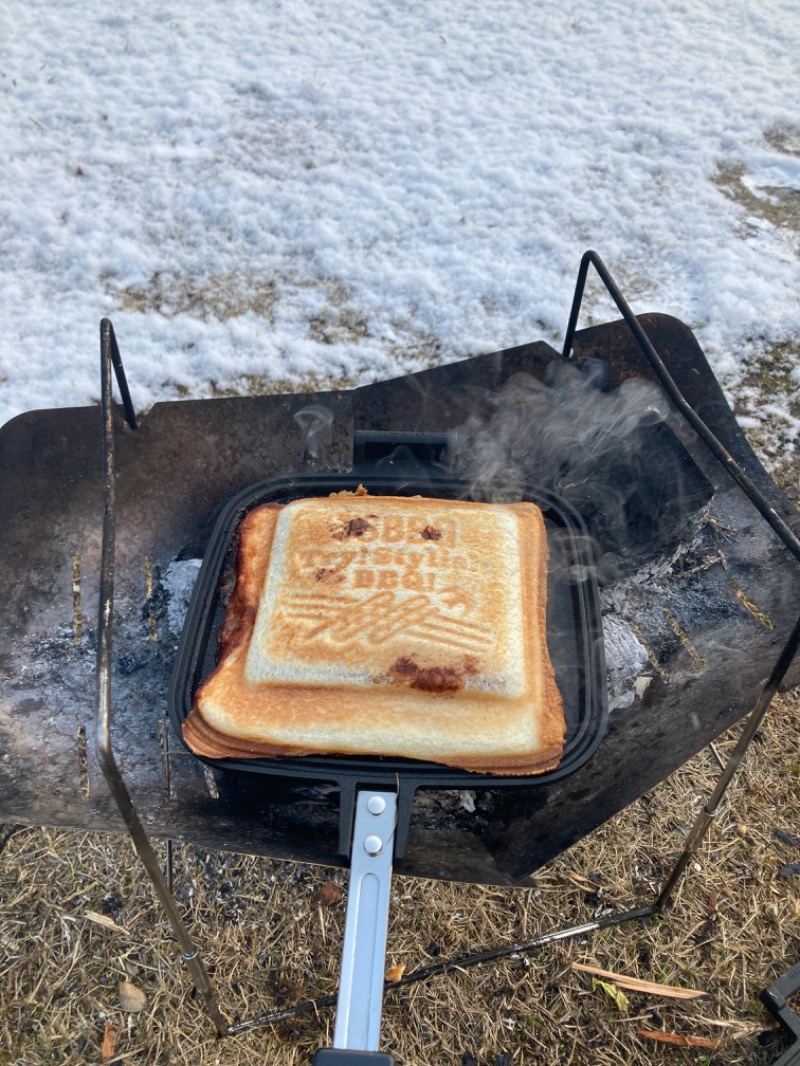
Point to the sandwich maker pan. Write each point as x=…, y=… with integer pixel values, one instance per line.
x=574, y=638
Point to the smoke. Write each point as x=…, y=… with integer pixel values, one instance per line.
x=316, y=422
x=559, y=431
x=567, y=433
x=603, y=450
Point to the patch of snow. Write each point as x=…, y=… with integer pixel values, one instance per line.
x=277, y=191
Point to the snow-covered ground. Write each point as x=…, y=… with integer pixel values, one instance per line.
x=266, y=192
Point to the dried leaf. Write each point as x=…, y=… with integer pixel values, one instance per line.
x=109, y=1043
x=106, y=922
x=637, y=985
x=613, y=992
x=679, y=1040
x=328, y=894
x=394, y=973
x=581, y=881
x=131, y=998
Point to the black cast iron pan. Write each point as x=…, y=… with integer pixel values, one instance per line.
x=574, y=636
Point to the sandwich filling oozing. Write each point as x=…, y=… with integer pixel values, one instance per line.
x=387, y=626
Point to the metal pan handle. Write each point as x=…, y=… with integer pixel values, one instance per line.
x=360, y=1001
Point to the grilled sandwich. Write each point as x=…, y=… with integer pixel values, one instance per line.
x=365, y=625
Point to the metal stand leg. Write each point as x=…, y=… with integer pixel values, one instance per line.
x=762, y=505
x=709, y=812
x=110, y=356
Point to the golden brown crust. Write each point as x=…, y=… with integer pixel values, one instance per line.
x=550, y=710
x=204, y=740
x=438, y=679
x=240, y=615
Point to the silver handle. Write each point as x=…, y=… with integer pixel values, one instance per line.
x=360, y=1001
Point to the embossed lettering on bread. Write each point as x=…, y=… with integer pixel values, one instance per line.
x=387, y=626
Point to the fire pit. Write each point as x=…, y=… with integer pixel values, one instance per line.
x=697, y=596
x=697, y=592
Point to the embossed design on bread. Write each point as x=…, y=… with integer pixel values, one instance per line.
x=387, y=626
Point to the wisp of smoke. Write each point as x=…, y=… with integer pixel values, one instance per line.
x=560, y=431
x=316, y=422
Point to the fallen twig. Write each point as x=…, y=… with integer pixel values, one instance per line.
x=679, y=1040
x=106, y=922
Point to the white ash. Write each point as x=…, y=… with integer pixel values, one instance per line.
x=179, y=580
x=626, y=657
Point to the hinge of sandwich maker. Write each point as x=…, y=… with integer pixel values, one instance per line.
x=360, y=1002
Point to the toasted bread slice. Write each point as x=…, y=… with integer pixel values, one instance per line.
x=387, y=626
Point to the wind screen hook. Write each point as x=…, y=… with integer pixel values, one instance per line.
x=110, y=351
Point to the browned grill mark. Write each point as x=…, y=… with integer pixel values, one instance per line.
x=404, y=668
x=356, y=527
x=329, y=574
x=438, y=679
x=239, y=620
x=433, y=678
x=431, y=533
x=470, y=665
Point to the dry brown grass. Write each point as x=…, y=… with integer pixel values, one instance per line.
x=734, y=927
